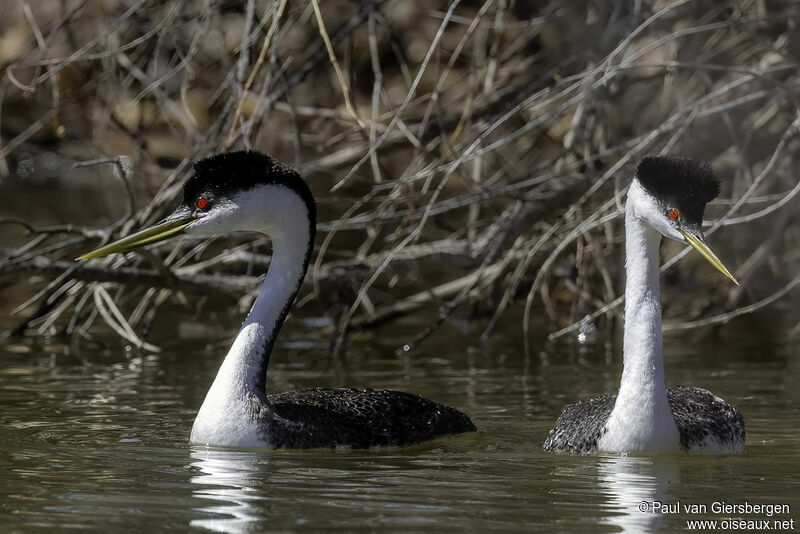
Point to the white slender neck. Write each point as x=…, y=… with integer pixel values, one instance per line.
x=642, y=418
x=245, y=366
x=642, y=349
x=236, y=403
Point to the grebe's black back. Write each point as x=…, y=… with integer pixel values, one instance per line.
x=251, y=191
x=667, y=197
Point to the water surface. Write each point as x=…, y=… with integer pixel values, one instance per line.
x=95, y=437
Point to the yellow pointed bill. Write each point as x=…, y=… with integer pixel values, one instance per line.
x=700, y=245
x=154, y=234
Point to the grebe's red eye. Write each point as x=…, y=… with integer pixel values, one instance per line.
x=201, y=203
x=673, y=214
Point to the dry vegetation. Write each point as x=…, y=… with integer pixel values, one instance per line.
x=469, y=157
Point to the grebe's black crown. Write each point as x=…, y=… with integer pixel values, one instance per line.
x=223, y=175
x=681, y=183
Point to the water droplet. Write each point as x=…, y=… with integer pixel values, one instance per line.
x=587, y=332
x=406, y=348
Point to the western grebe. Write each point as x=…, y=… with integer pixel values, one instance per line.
x=251, y=191
x=667, y=197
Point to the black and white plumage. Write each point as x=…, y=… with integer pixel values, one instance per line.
x=251, y=191
x=667, y=197
x=358, y=418
x=704, y=421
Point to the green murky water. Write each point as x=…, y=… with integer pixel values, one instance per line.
x=96, y=438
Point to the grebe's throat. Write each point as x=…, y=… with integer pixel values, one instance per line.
x=642, y=418
x=238, y=391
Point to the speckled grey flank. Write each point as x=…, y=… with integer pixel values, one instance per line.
x=703, y=419
x=356, y=418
